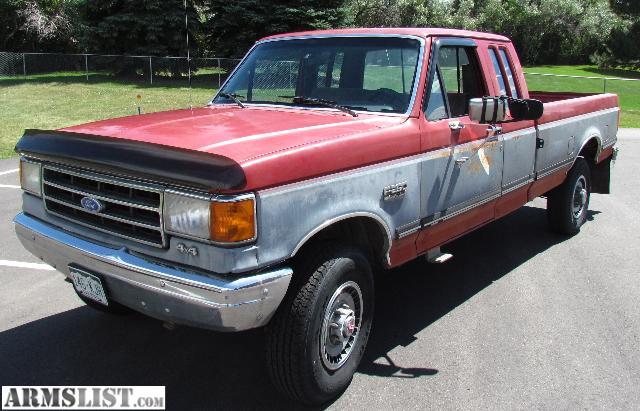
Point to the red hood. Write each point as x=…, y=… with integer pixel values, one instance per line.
x=240, y=134
x=273, y=145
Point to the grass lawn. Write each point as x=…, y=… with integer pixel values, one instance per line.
x=628, y=91
x=63, y=99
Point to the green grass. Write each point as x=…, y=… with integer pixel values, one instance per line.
x=628, y=91
x=65, y=99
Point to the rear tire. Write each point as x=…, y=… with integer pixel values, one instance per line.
x=568, y=204
x=319, y=334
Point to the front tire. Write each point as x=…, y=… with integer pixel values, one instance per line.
x=568, y=204
x=318, y=336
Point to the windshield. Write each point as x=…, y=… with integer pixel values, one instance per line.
x=368, y=74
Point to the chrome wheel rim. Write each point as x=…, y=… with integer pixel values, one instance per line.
x=341, y=325
x=580, y=197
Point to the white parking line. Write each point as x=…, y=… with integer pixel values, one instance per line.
x=15, y=170
x=20, y=264
x=8, y=186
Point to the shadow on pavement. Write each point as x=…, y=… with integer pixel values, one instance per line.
x=203, y=369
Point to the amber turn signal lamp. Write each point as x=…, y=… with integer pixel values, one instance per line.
x=233, y=222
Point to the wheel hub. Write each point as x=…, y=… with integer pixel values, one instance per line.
x=341, y=325
x=580, y=196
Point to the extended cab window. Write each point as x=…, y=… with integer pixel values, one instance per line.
x=374, y=74
x=509, y=72
x=498, y=70
x=456, y=81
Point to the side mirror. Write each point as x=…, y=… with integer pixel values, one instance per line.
x=488, y=110
x=525, y=109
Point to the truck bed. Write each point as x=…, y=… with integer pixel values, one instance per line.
x=564, y=104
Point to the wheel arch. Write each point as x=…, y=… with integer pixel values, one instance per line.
x=590, y=149
x=354, y=227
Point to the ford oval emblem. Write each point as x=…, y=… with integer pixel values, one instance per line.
x=92, y=205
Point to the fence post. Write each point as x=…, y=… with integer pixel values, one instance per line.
x=605, y=85
x=150, y=71
x=218, y=73
x=86, y=66
x=24, y=65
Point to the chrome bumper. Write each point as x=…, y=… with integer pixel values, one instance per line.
x=159, y=290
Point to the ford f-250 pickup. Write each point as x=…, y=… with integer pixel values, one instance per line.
x=325, y=157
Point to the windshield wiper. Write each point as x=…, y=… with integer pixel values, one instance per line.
x=309, y=101
x=234, y=97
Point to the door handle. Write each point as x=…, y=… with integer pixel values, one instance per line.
x=492, y=132
x=456, y=125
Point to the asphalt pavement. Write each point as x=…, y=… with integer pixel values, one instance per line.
x=520, y=318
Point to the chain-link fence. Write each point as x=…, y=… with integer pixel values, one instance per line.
x=587, y=84
x=209, y=72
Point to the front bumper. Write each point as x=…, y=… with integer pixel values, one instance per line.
x=160, y=290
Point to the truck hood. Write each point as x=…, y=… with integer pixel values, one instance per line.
x=240, y=134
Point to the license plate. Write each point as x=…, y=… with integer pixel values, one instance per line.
x=88, y=285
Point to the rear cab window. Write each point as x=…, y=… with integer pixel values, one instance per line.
x=498, y=70
x=503, y=68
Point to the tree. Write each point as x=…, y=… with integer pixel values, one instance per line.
x=626, y=7
x=231, y=27
x=38, y=25
x=149, y=27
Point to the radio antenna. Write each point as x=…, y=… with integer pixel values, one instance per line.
x=186, y=27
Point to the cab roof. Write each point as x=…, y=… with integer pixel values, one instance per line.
x=402, y=31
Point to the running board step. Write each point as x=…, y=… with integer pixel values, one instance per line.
x=438, y=257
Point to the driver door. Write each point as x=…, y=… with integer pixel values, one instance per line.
x=462, y=167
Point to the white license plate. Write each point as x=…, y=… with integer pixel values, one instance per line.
x=88, y=285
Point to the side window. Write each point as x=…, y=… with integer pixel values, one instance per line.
x=496, y=68
x=436, y=109
x=507, y=67
x=462, y=81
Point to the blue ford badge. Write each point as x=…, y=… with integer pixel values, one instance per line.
x=91, y=204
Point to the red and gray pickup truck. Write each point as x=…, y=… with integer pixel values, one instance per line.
x=325, y=158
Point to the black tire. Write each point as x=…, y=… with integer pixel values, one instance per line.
x=297, y=367
x=113, y=308
x=567, y=204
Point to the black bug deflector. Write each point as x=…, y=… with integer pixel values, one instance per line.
x=144, y=160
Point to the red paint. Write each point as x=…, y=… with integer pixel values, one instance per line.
x=543, y=185
x=403, y=250
x=406, y=31
x=558, y=106
x=512, y=201
x=455, y=227
x=606, y=153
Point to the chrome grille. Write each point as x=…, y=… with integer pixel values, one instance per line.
x=130, y=210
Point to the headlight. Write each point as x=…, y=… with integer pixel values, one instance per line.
x=30, y=175
x=228, y=219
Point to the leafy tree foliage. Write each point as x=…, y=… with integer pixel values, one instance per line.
x=231, y=27
x=38, y=25
x=544, y=31
x=149, y=27
x=606, y=32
